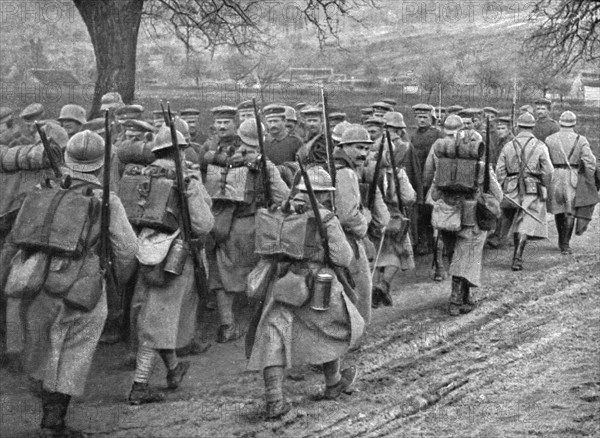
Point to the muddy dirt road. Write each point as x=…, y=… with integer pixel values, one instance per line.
x=525, y=362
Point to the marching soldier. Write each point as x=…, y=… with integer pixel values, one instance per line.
x=571, y=156
x=406, y=158
x=422, y=140
x=231, y=255
x=503, y=136
x=463, y=241
x=544, y=126
x=280, y=147
x=350, y=157
x=524, y=170
x=72, y=118
x=224, y=126
x=290, y=335
x=167, y=303
x=394, y=249
x=65, y=337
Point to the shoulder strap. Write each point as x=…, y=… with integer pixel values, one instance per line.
x=573, y=149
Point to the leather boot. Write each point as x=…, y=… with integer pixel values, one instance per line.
x=558, y=221
x=54, y=408
x=568, y=225
x=520, y=241
x=276, y=406
x=468, y=303
x=456, y=296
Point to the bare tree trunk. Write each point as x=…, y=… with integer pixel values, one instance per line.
x=113, y=26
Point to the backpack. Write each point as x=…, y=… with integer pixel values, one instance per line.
x=58, y=221
x=237, y=182
x=458, y=165
x=291, y=235
x=149, y=195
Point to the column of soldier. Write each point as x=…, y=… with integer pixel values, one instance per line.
x=313, y=248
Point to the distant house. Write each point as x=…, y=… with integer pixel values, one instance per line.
x=51, y=77
x=298, y=74
x=591, y=88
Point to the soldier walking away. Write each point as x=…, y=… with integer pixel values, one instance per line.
x=454, y=196
x=67, y=315
x=422, y=140
x=574, y=168
x=72, y=118
x=544, y=125
x=524, y=170
x=497, y=238
x=234, y=180
x=306, y=316
x=166, y=297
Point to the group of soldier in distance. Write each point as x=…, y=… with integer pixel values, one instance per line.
x=299, y=213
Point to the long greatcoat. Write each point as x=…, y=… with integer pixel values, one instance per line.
x=167, y=314
x=65, y=339
x=525, y=162
x=290, y=336
x=571, y=156
x=231, y=261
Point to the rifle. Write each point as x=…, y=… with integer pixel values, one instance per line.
x=114, y=294
x=328, y=145
x=523, y=209
x=48, y=150
x=263, y=157
x=186, y=222
x=486, y=175
x=373, y=186
x=403, y=218
x=341, y=275
x=514, y=104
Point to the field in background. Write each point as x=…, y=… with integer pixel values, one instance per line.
x=211, y=94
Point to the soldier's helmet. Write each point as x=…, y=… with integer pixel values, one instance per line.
x=163, y=139
x=72, y=112
x=394, y=119
x=526, y=120
x=339, y=130
x=355, y=134
x=248, y=133
x=57, y=134
x=111, y=100
x=290, y=114
x=85, y=152
x=183, y=127
x=568, y=119
x=319, y=179
x=453, y=123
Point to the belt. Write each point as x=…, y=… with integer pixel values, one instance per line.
x=563, y=166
